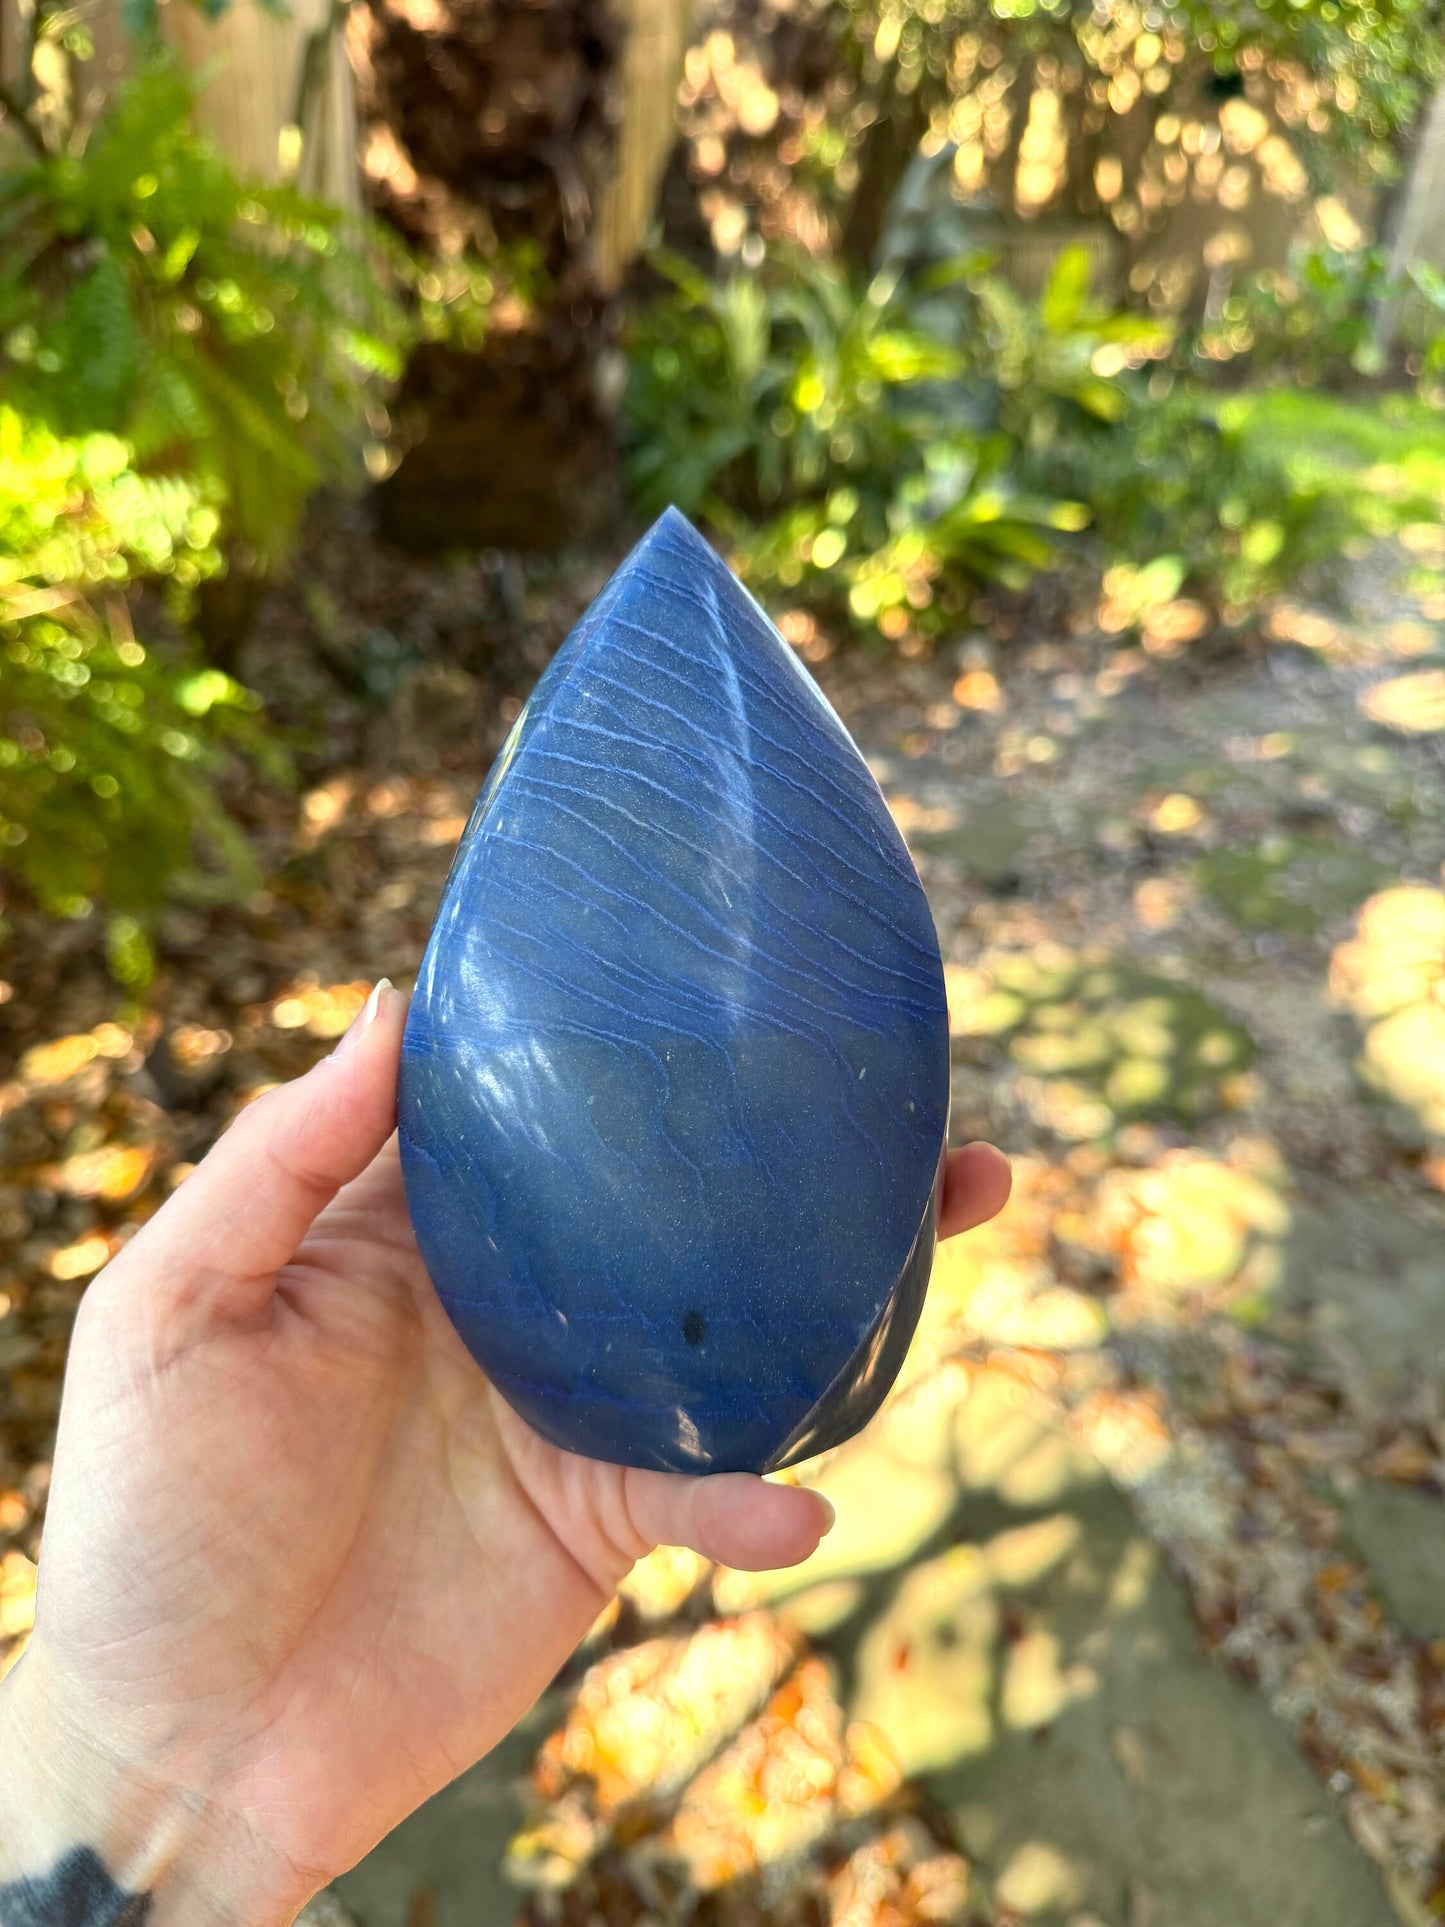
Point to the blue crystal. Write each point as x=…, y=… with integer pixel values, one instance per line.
x=674, y=1089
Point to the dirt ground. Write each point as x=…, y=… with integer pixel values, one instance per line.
x=1134, y=1615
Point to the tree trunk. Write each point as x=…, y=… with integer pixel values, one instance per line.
x=1006, y=175
x=490, y=124
x=888, y=146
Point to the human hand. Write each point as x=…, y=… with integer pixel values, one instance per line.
x=301, y=1564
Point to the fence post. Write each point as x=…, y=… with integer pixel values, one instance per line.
x=256, y=61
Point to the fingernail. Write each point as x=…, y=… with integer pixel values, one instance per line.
x=830, y=1515
x=364, y=1018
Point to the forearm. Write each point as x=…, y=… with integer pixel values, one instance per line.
x=89, y=1841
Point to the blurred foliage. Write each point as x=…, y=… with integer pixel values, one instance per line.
x=185, y=357
x=782, y=384
x=1051, y=368
x=1427, y=325
x=1229, y=498
x=108, y=747
x=1366, y=62
x=1317, y=321
x=854, y=442
x=1133, y=120
x=881, y=448
x=222, y=328
x=1192, y=493
x=1225, y=477
x=1104, y=1041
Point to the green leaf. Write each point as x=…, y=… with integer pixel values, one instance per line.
x=1067, y=290
x=1104, y=401
x=100, y=346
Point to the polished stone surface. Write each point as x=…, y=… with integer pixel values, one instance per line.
x=675, y=1083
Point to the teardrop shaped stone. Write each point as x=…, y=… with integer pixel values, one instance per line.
x=674, y=1089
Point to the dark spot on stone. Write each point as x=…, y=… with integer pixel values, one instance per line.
x=694, y=1328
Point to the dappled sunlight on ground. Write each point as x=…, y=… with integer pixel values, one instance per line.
x=1193, y=1231
x=1391, y=977
x=782, y=1785
x=963, y=1523
x=1100, y=1041
x=1413, y=704
x=935, y=1658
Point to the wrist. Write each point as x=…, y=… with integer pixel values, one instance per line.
x=76, y=1817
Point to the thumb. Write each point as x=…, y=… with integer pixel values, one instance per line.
x=733, y=1518
x=218, y=1243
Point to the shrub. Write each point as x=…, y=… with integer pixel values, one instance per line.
x=184, y=358
x=1219, y=512
x=1054, y=371
x=836, y=435
x=1318, y=321
x=108, y=747
x=1316, y=318
x=1232, y=498
x=222, y=328
x=881, y=448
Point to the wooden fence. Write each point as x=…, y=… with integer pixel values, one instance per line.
x=249, y=107
x=658, y=34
